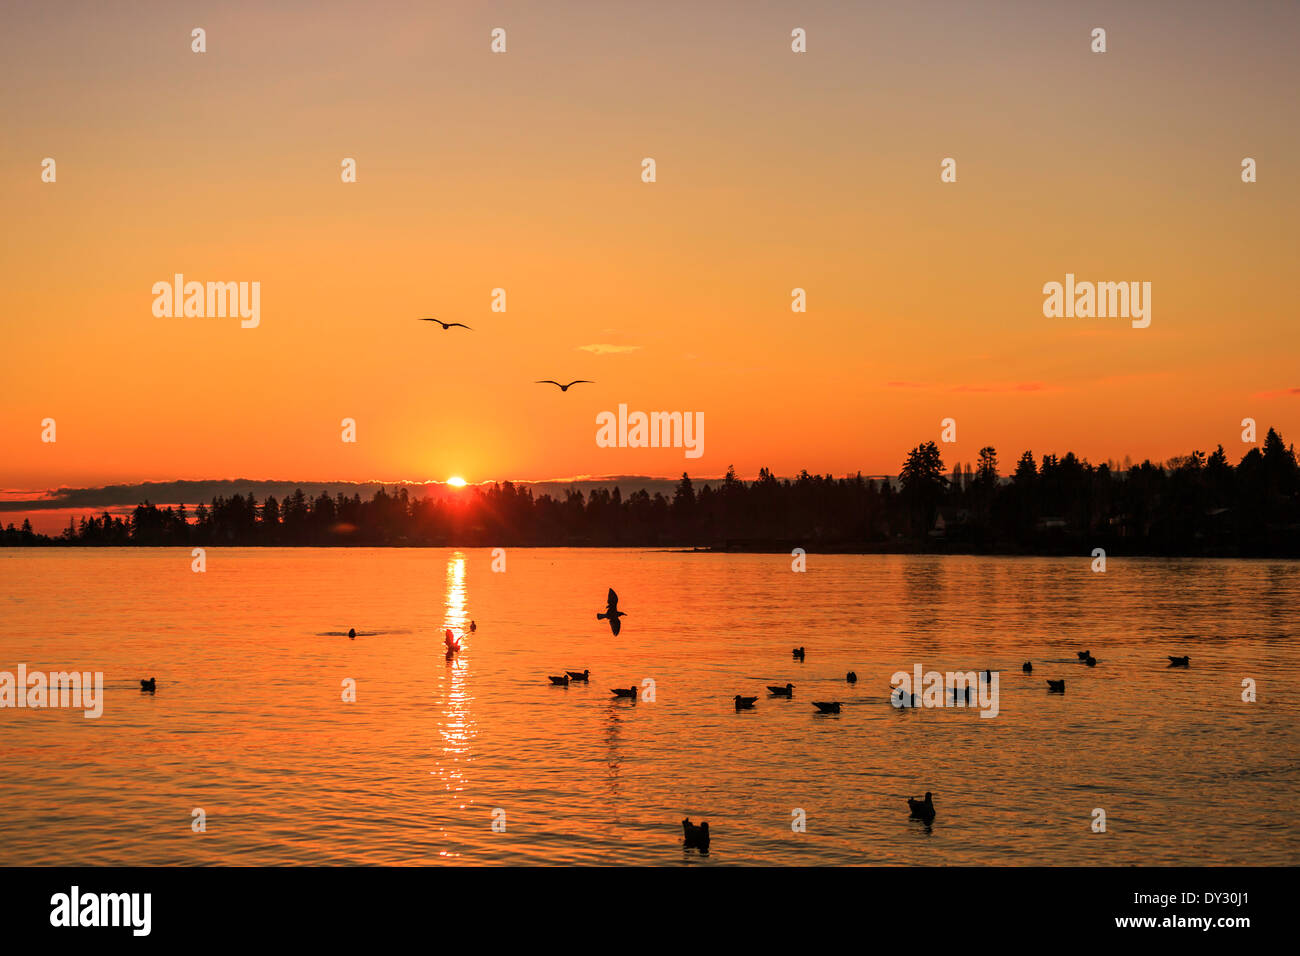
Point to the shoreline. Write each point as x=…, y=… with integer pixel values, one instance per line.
x=770, y=548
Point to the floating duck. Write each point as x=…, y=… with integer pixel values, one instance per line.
x=798, y=653
x=472, y=627
x=149, y=685
x=696, y=835
x=580, y=676
x=1027, y=667
x=1091, y=661
x=744, y=703
x=827, y=707
x=1056, y=686
x=560, y=681
x=851, y=677
x=1183, y=661
x=922, y=809
x=904, y=699
x=1083, y=655
x=786, y=691
x=624, y=692
x=352, y=633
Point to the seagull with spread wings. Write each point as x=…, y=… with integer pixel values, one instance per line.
x=564, y=388
x=445, y=325
x=612, y=613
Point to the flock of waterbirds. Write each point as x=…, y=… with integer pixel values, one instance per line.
x=696, y=836
x=545, y=381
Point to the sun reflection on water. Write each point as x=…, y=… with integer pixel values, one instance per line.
x=456, y=719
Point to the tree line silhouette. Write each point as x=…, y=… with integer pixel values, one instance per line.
x=1196, y=504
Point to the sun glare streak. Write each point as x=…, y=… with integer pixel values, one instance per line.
x=457, y=725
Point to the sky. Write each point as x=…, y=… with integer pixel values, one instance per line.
x=522, y=171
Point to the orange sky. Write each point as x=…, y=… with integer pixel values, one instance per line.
x=522, y=171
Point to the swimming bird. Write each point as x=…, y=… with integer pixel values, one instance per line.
x=903, y=698
x=472, y=627
x=149, y=685
x=624, y=692
x=1183, y=661
x=560, y=681
x=1084, y=655
x=1027, y=667
x=579, y=676
x=786, y=691
x=1056, y=687
x=922, y=809
x=827, y=707
x=352, y=633
x=696, y=835
x=798, y=653
x=851, y=677
x=564, y=388
x=612, y=613
x=445, y=325
x=1091, y=661
x=744, y=703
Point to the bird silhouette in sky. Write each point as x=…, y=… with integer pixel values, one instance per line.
x=564, y=388
x=612, y=613
x=445, y=325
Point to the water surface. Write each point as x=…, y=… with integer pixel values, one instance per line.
x=249, y=723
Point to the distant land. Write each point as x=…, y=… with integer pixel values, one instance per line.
x=48, y=511
x=1195, y=504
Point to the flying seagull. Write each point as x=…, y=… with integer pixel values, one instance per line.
x=612, y=613
x=445, y=325
x=564, y=388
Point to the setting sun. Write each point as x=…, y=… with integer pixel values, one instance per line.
x=456, y=481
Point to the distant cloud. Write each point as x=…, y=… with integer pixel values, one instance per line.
x=604, y=348
x=991, y=387
x=1006, y=387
